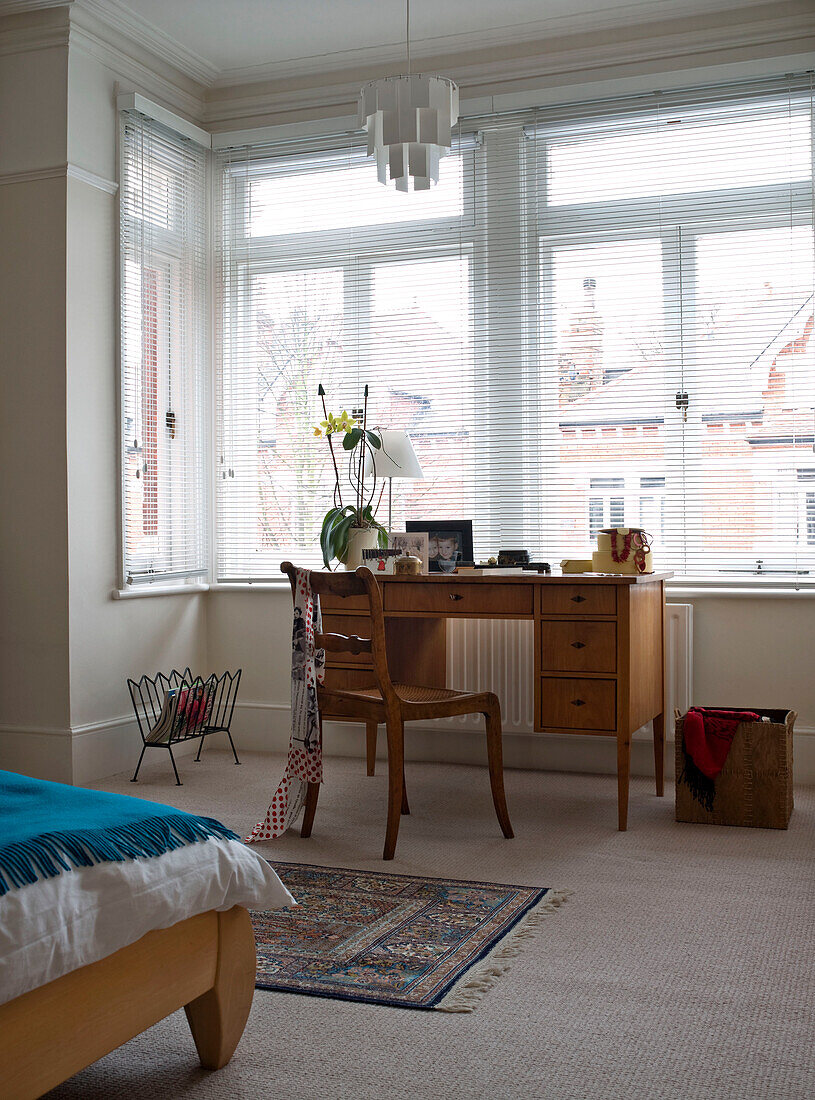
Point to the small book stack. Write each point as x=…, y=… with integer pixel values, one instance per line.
x=184, y=711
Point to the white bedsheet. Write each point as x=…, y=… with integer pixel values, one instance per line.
x=54, y=926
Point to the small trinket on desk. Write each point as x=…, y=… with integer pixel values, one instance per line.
x=408, y=565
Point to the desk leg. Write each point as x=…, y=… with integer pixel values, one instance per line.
x=623, y=773
x=659, y=753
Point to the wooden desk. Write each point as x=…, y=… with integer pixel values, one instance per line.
x=598, y=647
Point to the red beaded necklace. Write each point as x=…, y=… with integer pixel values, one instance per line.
x=636, y=539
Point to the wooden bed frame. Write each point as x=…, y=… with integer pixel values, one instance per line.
x=205, y=964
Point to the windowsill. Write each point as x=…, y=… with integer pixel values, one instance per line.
x=686, y=590
x=159, y=590
x=676, y=589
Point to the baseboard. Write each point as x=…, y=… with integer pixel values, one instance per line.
x=85, y=753
x=80, y=754
x=44, y=753
x=264, y=727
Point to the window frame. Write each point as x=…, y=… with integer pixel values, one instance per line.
x=180, y=544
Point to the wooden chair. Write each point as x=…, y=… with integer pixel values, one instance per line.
x=394, y=704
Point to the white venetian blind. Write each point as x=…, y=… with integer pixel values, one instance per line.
x=676, y=290
x=163, y=242
x=602, y=315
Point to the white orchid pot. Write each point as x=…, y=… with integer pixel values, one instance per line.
x=359, y=539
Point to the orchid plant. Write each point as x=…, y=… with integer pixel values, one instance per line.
x=358, y=442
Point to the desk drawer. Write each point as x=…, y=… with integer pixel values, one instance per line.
x=348, y=624
x=578, y=704
x=578, y=599
x=467, y=599
x=578, y=645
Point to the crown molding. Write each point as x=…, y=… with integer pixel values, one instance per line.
x=20, y=7
x=386, y=58
x=778, y=30
x=111, y=17
x=76, y=25
x=131, y=62
x=25, y=30
x=124, y=20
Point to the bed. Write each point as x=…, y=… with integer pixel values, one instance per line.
x=91, y=955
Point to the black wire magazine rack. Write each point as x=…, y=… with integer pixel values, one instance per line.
x=178, y=707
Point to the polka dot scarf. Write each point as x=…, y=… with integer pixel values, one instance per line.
x=305, y=760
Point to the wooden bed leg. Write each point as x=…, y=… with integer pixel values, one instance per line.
x=218, y=1017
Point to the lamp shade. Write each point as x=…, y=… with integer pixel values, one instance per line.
x=396, y=458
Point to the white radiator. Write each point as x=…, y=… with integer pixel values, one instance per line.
x=498, y=655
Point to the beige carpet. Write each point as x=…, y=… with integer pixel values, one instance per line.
x=682, y=967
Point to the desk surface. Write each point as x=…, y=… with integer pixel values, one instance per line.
x=527, y=577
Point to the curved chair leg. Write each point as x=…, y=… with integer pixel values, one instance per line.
x=217, y=1018
x=396, y=765
x=496, y=765
x=371, y=730
x=405, y=803
x=312, y=794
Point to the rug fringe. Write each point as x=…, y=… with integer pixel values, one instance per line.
x=468, y=993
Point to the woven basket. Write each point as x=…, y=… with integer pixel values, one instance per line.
x=754, y=788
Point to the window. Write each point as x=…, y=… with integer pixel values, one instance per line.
x=327, y=280
x=601, y=316
x=163, y=327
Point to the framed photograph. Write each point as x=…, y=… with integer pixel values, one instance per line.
x=411, y=542
x=450, y=542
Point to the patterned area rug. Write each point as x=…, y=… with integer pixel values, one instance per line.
x=428, y=943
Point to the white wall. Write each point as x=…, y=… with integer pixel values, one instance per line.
x=109, y=639
x=34, y=652
x=66, y=647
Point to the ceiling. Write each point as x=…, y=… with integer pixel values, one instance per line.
x=308, y=36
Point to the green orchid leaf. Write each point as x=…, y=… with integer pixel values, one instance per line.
x=339, y=538
x=325, y=543
x=351, y=439
x=333, y=517
x=374, y=440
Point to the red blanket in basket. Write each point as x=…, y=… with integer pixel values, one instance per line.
x=709, y=734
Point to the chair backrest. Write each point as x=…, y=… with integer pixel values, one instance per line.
x=360, y=582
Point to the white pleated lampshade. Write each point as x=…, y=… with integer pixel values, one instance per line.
x=409, y=121
x=396, y=457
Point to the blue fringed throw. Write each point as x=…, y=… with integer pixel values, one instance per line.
x=47, y=828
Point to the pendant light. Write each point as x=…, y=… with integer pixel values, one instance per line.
x=409, y=120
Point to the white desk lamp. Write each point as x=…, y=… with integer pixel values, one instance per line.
x=395, y=459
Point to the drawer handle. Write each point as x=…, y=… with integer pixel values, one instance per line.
x=578, y=599
x=578, y=702
x=456, y=596
x=578, y=645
